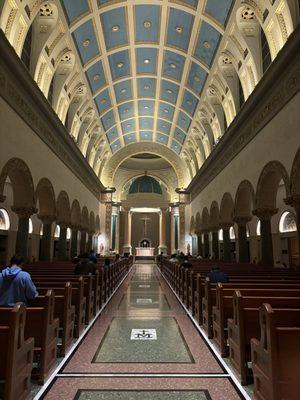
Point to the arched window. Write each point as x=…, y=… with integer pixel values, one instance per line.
x=4, y=220
x=26, y=52
x=57, y=232
x=30, y=227
x=220, y=235
x=68, y=233
x=42, y=230
x=287, y=222
x=231, y=233
x=265, y=51
x=258, y=228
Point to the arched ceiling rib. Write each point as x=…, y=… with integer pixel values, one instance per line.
x=146, y=63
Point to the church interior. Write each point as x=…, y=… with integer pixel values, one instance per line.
x=149, y=199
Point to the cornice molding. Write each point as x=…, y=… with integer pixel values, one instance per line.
x=21, y=92
x=277, y=87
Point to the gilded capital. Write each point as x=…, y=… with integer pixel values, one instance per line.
x=265, y=213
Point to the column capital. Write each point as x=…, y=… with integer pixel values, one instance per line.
x=293, y=201
x=242, y=220
x=46, y=219
x=226, y=225
x=75, y=227
x=63, y=224
x=24, y=212
x=265, y=213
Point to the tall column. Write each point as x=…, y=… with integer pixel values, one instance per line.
x=127, y=236
x=45, y=254
x=162, y=231
x=215, y=243
x=265, y=215
x=242, y=238
x=23, y=226
x=294, y=201
x=200, y=245
x=226, y=242
x=62, y=241
x=90, y=241
x=74, y=241
x=182, y=227
x=205, y=244
x=82, y=241
x=108, y=214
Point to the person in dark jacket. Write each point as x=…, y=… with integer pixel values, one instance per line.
x=186, y=263
x=216, y=276
x=15, y=284
x=85, y=266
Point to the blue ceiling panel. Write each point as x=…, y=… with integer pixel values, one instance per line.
x=146, y=87
x=146, y=60
x=218, y=13
x=108, y=120
x=196, y=78
x=128, y=126
x=115, y=146
x=114, y=28
x=173, y=65
x=176, y=147
x=119, y=64
x=123, y=91
x=146, y=107
x=145, y=135
x=162, y=138
x=105, y=2
x=126, y=110
x=103, y=101
x=183, y=121
x=112, y=134
x=166, y=111
x=86, y=42
x=146, y=123
x=190, y=3
x=163, y=126
x=75, y=8
x=147, y=23
x=179, y=135
x=169, y=91
x=179, y=29
x=189, y=103
x=207, y=43
x=96, y=77
x=131, y=138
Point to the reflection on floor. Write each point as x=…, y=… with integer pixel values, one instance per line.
x=143, y=346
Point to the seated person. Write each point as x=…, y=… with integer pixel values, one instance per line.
x=106, y=263
x=173, y=258
x=15, y=284
x=216, y=276
x=85, y=266
x=186, y=263
x=92, y=257
x=117, y=257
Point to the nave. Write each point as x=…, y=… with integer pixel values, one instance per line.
x=143, y=346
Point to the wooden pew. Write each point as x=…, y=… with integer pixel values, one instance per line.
x=43, y=327
x=245, y=325
x=16, y=353
x=65, y=312
x=224, y=308
x=276, y=356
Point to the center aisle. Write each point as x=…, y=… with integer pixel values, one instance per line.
x=143, y=341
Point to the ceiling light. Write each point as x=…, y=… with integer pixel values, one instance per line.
x=120, y=65
x=102, y=101
x=96, y=77
x=169, y=91
x=146, y=107
x=123, y=90
x=126, y=110
x=86, y=43
x=166, y=110
x=115, y=28
x=179, y=29
x=197, y=78
x=146, y=61
x=147, y=87
x=189, y=102
x=128, y=125
x=173, y=66
x=147, y=24
x=206, y=44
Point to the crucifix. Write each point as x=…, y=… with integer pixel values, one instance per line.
x=145, y=219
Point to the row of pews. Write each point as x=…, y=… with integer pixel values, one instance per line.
x=33, y=337
x=254, y=319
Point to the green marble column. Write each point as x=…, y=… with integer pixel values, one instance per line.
x=294, y=201
x=200, y=246
x=265, y=215
x=215, y=244
x=242, y=239
x=45, y=254
x=226, y=244
x=23, y=228
x=74, y=241
x=205, y=244
x=62, y=242
x=83, y=242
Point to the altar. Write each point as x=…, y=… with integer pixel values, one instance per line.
x=144, y=251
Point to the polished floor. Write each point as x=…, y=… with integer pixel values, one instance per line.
x=143, y=346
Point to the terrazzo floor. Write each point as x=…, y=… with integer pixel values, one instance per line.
x=143, y=346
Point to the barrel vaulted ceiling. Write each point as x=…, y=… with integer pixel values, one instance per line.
x=146, y=63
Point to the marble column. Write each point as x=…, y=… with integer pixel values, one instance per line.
x=83, y=241
x=265, y=215
x=200, y=245
x=182, y=227
x=162, y=231
x=23, y=226
x=127, y=248
x=90, y=241
x=242, y=238
x=215, y=244
x=226, y=243
x=74, y=241
x=62, y=241
x=294, y=201
x=45, y=254
x=205, y=244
